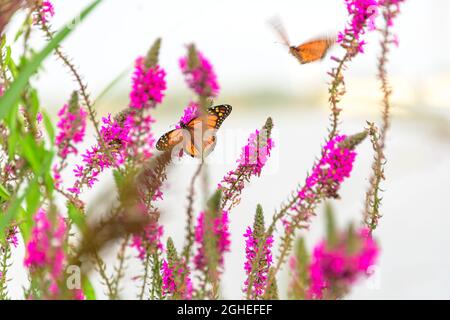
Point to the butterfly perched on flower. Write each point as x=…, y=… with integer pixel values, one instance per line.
x=310, y=51
x=196, y=136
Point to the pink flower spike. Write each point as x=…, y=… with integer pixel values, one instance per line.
x=46, y=12
x=148, y=85
x=72, y=128
x=338, y=267
x=221, y=237
x=201, y=79
x=262, y=273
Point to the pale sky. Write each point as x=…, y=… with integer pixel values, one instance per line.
x=236, y=37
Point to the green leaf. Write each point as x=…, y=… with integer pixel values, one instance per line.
x=112, y=84
x=13, y=133
x=33, y=200
x=31, y=152
x=4, y=194
x=9, y=216
x=77, y=217
x=48, y=127
x=88, y=289
x=119, y=179
x=11, y=96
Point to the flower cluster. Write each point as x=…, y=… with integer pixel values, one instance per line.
x=258, y=254
x=149, y=242
x=200, y=75
x=142, y=140
x=116, y=136
x=360, y=12
x=334, y=268
x=261, y=260
x=253, y=158
x=72, y=127
x=45, y=249
x=220, y=236
x=190, y=112
x=176, y=280
x=148, y=85
x=127, y=136
x=255, y=153
x=11, y=236
x=46, y=11
x=394, y=9
x=332, y=169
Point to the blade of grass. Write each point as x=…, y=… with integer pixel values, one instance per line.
x=11, y=96
x=112, y=84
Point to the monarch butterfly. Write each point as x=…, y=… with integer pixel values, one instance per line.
x=188, y=133
x=310, y=51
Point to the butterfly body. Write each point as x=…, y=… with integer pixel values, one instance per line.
x=313, y=50
x=307, y=52
x=196, y=137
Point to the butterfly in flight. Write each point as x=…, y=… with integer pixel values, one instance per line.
x=187, y=136
x=310, y=51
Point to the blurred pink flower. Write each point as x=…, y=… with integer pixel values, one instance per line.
x=176, y=281
x=253, y=158
x=221, y=239
x=340, y=266
x=202, y=78
x=45, y=249
x=46, y=12
x=190, y=112
x=148, y=85
x=361, y=13
x=149, y=241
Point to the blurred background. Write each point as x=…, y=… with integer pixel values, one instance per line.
x=260, y=79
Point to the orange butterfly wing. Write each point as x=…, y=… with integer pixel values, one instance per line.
x=312, y=50
x=170, y=140
x=214, y=119
x=191, y=149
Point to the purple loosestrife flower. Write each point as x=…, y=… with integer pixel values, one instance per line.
x=190, y=112
x=253, y=157
x=72, y=128
x=46, y=11
x=258, y=256
x=116, y=135
x=149, y=84
x=360, y=13
x=251, y=252
x=335, y=268
x=199, y=73
x=149, y=242
x=221, y=239
x=393, y=7
x=71, y=131
x=11, y=237
x=45, y=250
x=141, y=137
x=127, y=136
x=334, y=166
x=176, y=279
x=332, y=169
